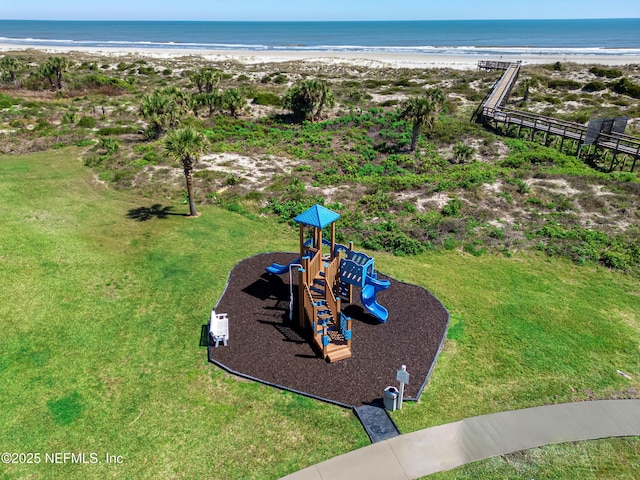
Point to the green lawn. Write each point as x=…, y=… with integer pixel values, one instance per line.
x=525, y=331
x=101, y=318
x=611, y=458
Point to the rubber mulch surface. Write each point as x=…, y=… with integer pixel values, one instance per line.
x=265, y=345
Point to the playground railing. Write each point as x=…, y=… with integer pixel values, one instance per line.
x=345, y=328
x=331, y=272
x=313, y=267
x=352, y=273
x=333, y=303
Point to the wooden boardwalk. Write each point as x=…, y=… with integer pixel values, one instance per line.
x=493, y=112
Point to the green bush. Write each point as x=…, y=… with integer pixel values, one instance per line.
x=594, y=86
x=267, y=98
x=474, y=249
x=563, y=84
x=87, y=122
x=396, y=242
x=605, y=72
x=107, y=131
x=624, y=86
x=101, y=81
x=110, y=145
x=144, y=70
x=452, y=208
x=280, y=79
x=6, y=101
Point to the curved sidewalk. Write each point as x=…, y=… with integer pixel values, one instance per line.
x=435, y=449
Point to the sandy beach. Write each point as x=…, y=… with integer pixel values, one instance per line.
x=368, y=59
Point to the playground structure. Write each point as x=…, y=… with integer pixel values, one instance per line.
x=326, y=280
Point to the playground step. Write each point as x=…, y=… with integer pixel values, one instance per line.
x=338, y=352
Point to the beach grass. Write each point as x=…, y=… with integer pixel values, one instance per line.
x=103, y=313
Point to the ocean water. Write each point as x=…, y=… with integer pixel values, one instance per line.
x=459, y=37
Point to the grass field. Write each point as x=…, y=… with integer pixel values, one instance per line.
x=611, y=458
x=101, y=318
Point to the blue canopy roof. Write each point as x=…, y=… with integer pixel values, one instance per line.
x=317, y=216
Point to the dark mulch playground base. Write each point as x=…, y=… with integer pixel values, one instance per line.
x=265, y=345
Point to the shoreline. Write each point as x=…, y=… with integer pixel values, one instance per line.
x=365, y=59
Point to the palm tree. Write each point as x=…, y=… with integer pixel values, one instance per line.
x=422, y=112
x=307, y=98
x=205, y=79
x=162, y=110
x=9, y=66
x=53, y=69
x=185, y=145
x=233, y=100
x=211, y=100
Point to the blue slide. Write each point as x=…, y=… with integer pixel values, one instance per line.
x=368, y=296
x=278, y=269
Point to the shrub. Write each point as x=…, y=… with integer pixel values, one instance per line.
x=267, y=98
x=68, y=117
x=6, y=101
x=231, y=180
x=594, y=86
x=144, y=70
x=563, y=84
x=280, y=79
x=605, y=72
x=462, y=153
x=452, y=208
x=497, y=233
x=87, y=122
x=108, y=131
x=624, y=86
x=97, y=81
x=110, y=145
x=396, y=242
x=475, y=250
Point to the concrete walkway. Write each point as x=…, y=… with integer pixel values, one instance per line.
x=432, y=450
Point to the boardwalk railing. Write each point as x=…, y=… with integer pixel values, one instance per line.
x=617, y=143
x=493, y=111
x=503, y=87
x=493, y=65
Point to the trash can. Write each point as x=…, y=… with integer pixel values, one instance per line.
x=391, y=398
